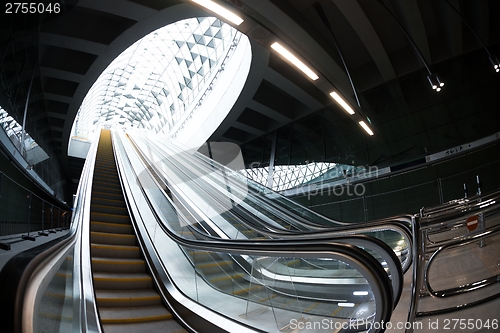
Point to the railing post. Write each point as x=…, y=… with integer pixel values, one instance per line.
x=52, y=219
x=440, y=191
x=480, y=217
x=28, y=237
x=417, y=271
x=43, y=233
x=365, y=209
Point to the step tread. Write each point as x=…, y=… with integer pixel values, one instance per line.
x=115, y=247
x=125, y=294
x=118, y=261
x=110, y=234
x=110, y=227
x=121, y=276
x=134, y=314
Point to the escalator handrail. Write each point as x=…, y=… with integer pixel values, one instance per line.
x=401, y=221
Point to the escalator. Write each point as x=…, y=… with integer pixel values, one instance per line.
x=232, y=220
x=126, y=298
x=255, y=214
x=131, y=265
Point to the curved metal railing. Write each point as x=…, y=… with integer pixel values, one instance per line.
x=447, y=233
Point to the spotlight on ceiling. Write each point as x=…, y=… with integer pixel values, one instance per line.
x=436, y=84
x=212, y=6
x=496, y=64
x=294, y=60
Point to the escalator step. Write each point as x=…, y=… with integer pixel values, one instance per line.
x=106, y=209
x=127, y=298
x=114, y=281
x=118, y=265
x=105, y=200
x=115, y=228
x=106, y=187
x=112, y=218
x=96, y=194
x=112, y=239
x=115, y=251
x=133, y=314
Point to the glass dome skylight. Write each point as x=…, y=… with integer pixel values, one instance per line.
x=157, y=81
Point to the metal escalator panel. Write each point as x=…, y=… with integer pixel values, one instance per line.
x=126, y=297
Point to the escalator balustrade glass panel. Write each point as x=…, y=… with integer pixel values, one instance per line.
x=277, y=293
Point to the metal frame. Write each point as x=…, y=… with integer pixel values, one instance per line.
x=434, y=221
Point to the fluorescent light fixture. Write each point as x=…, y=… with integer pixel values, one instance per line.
x=360, y=293
x=296, y=62
x=346, y=305
x=365, y=127
x=342, y=103
x=210, y=5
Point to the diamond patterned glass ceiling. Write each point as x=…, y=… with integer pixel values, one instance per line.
x=288, y=176
x=158, y=79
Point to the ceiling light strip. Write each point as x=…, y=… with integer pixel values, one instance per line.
x=366, y=127
x=210, y=5
x=342, y=103
x=294, y=60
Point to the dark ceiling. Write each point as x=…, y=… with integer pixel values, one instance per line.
x=388, y=46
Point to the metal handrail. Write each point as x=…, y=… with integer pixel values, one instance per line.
x=465, y=287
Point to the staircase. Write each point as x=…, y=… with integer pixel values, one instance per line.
x=127, y=300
